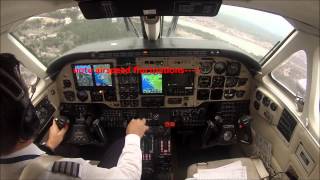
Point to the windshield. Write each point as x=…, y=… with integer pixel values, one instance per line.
x=48, y=36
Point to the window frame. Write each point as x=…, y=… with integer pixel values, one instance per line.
x=281, y=85
x=25, y=47
x=29, y=86
x=309, y=117
x=275, y=49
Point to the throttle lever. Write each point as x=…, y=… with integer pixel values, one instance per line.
x=99, y=130
x=211, y=129
x=61, y=121
x=244, y=129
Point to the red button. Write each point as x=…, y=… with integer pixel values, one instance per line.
x=172, y=124
x=167, y=124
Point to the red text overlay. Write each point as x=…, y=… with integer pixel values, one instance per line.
x=137, y=70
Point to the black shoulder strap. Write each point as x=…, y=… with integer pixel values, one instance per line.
x=18, y=159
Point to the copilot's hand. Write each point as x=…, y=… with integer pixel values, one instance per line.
x=137, y=126
x=56, y=135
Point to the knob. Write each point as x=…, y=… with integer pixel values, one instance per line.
x=227, y=136
x=155, y=116
x=62, y=121
x=218, y=119
x=194, y=114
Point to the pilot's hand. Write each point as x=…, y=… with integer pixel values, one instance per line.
x=137, y=126
x=56, y=135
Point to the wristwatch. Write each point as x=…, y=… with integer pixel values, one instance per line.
x=43, y=146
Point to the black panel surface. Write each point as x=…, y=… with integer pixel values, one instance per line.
x=286, y=124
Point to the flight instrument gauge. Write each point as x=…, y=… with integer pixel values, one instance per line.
x=233, y=69
x=205, y=67
x=220, y=67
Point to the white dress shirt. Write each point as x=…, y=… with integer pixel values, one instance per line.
x=129, y=165
x=13, y=170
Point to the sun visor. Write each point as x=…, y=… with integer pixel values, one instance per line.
x=97, y=9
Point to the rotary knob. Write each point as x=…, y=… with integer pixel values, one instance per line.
x=227, y=136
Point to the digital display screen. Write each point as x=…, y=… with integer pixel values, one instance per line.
x=181, y=80
x=84, y=75
x=151, y=83
x=101, y=76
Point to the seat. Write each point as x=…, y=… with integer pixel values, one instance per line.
x=255, y=168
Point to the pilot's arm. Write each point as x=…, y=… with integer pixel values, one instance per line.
x=129, y=164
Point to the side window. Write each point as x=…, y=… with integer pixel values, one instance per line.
x=29, y=78
x=292, y=74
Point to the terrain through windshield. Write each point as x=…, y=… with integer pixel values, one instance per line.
x=48, y=36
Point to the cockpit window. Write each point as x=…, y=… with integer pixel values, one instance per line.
x=50, y=35
x=254, y=32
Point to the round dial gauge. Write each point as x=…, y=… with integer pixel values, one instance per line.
x=220, y=67
x=258, y=95
x=233, y=69
x=266, y=101
x=273, y=106
x=205, y=67
x=82, y=95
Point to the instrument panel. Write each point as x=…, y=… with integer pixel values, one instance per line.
x=208, y=96
x=154, y=81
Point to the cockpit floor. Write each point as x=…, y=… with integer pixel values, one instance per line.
x=187, y=152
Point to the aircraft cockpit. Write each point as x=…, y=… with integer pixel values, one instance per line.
x=217, y=81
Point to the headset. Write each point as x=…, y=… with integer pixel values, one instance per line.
x=13, y=86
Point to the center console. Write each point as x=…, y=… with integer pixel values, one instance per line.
x=93, y=124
